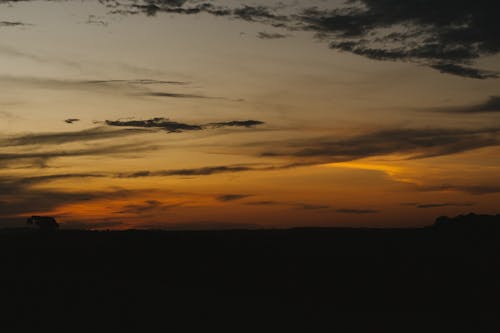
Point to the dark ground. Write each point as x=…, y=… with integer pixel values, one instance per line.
x=309, y=280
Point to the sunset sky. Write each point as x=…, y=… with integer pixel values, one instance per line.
x=198, y=114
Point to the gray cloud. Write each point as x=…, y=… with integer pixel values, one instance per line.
x=12, y=24
x=306, y=206
x=232, y=197
x=92, y=19
x=205, y=171
x=491, y=105
x=269, y=35
x=464, y=71
x=40, y=158
x=175, y=95
x=57, y=138
x=165, y=124
x=147, y=207
x=20, y=195
x=296, y=205
x=415, y=143
x=263, y=203
x=446, y=204
x=137, y=82
x=176, y=127
x=356, y=211
x=445, y=35
x=470, y=189
x=448, y=35
x=236, y=123
x=210, y=170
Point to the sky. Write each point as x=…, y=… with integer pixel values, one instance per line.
x=198, y=114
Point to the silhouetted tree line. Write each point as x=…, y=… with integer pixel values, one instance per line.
x=470, y=222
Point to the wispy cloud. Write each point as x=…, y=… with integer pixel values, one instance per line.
x=175, y=127
x=296, y=205
x=209, y=170
x=356, y=211
x=232, y=197
x=491, y=105
x=39, y=159
x=414, y=143
x=57, y=138
x=479, y=189
x=12, y=24
x=147, y=207
x=270, y=35
x=443, y=204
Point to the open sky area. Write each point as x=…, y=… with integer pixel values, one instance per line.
x=199, y=114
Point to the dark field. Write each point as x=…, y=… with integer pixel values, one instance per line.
x=310, y=280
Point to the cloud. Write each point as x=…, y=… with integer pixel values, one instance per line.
x=268, y=35
x=57, y=138
x=137, y=82
x=445, y=35
x=491, y=105
x=414, y=143
x=236, y=123
x=35, y=180
x=12, y=24
x=258, y=14
x=356, y=211
x=448, y=36
x=40, y=158
x=147, y=207
x=232, y=197
x=165, y=124
x=12, y=52
x=264, y=203
x=175, y=127
x=21, y=196
x=205, y=171
x=447, y=204
x=464, y=71
x=296, y=205
x=306, y=206
x=174, y=95
x=210, y=170
x=248, y=13
x=470, y=189
x=92, y=19
x=129, y=87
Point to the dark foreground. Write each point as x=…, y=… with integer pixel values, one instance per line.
x=309, y=280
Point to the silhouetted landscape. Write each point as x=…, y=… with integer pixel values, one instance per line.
x=249, y=166
x=441, y=278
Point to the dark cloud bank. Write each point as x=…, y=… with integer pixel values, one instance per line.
x=446, y=35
